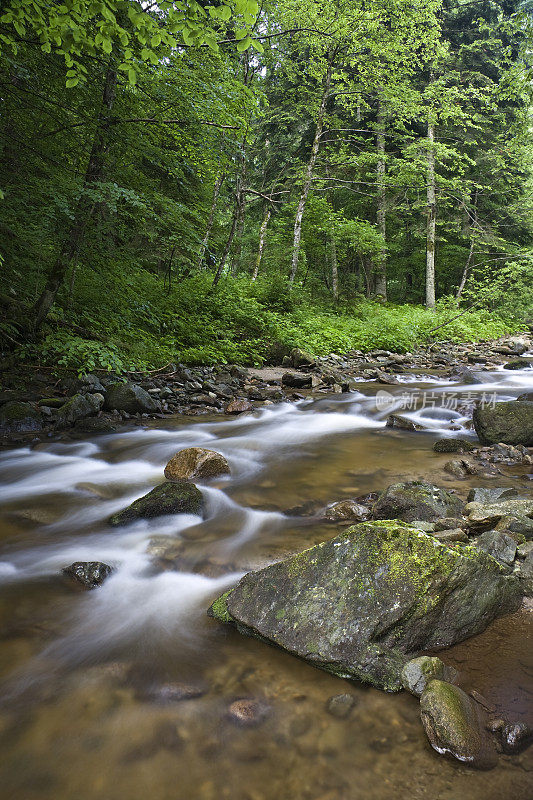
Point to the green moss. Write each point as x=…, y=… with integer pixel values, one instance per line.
x=219, y=609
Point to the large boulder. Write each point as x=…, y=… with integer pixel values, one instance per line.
x=195, y=462
x=416, y=500
x=454, y=725
x=296, y=381
x=16, y=417
x=78, y=407
x=485, y=516
x=167, y=498
x=510, y=423
x=364, y=603
x=300, y=358
x=130, y=398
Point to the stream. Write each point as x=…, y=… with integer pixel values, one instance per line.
x=123, y=692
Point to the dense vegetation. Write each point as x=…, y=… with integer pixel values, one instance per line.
x=185, y=182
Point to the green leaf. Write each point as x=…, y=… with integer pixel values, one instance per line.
x=132, y=76
x=71, y=82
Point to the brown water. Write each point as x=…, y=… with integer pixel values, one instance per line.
x=90, y=679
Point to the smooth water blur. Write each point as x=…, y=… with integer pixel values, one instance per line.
x=91, y=681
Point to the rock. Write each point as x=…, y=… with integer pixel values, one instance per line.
x=87, y=383
x=446, y=523
x=172, y=692
x=78, y=407
x=403, y=423
x=130, y=398
x=196, y=463
x=416, y=500
x=498, y=545
x=461, y=468
x=483, y=516
x=297, y=381
x=89, y=574
x=239, y=406
x=340, y=705
x=95, y=425
x=16, y=417
x=453, y=446
x=300, y=358
x=526, y=396
x=510, y=423
x=363, y=603
x=422, y=525
x=523, y=550
x=167, y=498
x=480, y=494
x=516, y=363
x=453, y=725
x=384, y=377
x=248, y=712
x=525, y=574
x=451, y=535
x=418, y=672
x=347, y=510
x=515, y=737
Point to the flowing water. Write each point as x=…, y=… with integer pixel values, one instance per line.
x=91, y=681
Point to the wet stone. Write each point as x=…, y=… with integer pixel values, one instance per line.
x=498, y=545
x=418, y=672
x=341, y=705
x=196, y=463
x=248, y=712
x=88, y=574
x=172, y=692
x=515, y=737
x=455, y=445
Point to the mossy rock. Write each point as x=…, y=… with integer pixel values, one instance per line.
x=196, y=463
x=17, y=417
x=510, y=422
x=130, y=398
x=416, y=500
x=78, y=407
x=454, y=445
x=364, y=603
x=167, y=498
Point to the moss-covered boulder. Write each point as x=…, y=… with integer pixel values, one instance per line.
x=16, y=417
x=453, y=445
x=364, y=603
x=416, y=500
x=454, y=725
x=78, y=407
x=196, y=463
x=510, y=423
x=167, y=498
x=130, y=398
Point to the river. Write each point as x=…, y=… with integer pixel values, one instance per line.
x=92, y=681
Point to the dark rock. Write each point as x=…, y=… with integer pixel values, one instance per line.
x=239, y=406
x=515, y=737
x=528, y=396
x=87, y=383
x=297, y=381
x=167, y=498
x=300, y=358
x=383, y=377
x=482, y=516
x=510, y=423
x=95, y=425
x=418, y=672
x=403, y=423
x=480, y=494
x=451, y=535
x=172, y=692
x=461, y=468
x=78, y=407
x=347, y=510
x=16, y=417
x=498, y=545
x=196, y=462
x=525, y=574
x=453, y=446
x=341, y=705
x=248, y=712
x=517, y=363
x=130, y=398
x=363, y=603
x=89, y=574
x=453, y=725
x=446, y=523
x=416, y=500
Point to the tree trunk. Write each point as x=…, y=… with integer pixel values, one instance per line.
x=262, y=233
x=238, y=213
x=334, y=270
x=466, y=270
x=211, y=219
x=83, y=211
x=380, y=280
x=432, y=218
x=309, y=176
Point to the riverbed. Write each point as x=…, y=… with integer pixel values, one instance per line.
x=124, y=692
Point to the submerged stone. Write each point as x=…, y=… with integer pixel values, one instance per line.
x=167, y=498
x=453, y=724
x=364, y=603
x=416, y=500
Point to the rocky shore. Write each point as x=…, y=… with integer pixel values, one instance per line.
x=101, y=402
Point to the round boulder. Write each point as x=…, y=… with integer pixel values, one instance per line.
x=196, y=463
x=130, y=398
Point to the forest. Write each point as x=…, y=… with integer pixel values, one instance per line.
x=221, y=183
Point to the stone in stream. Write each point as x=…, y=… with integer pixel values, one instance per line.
x=248, y=712
x=237, y=406
x=16, y=417
x=167, y=498
x=484, y=516
x=365, y=602
x=461, y=468
x=130, y=398
x=454, y=725
x=297, y=381
x=454, y=445
x=418, y=672
x=516, y=363
x=510, y=422
x=349, y=510
x=78, y=407
x=416, y=500
x=196, y=462
x=89, y=574
x=341, y=705
x=403, y=423
x=498, y=545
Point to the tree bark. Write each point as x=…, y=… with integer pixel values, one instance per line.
x=380, y=280
x=431, y=218
x=334, y=270
x=262, y=233
x=236, y=217
x=466, y=270
x=309, y=176
x=218, y=185
x=84, y=209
